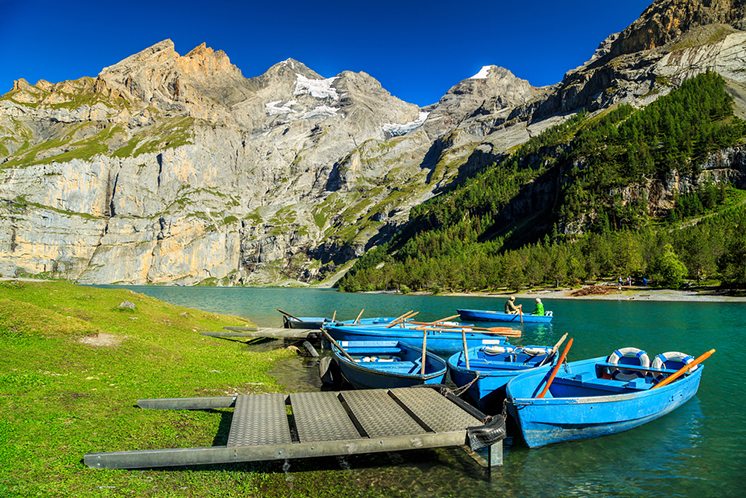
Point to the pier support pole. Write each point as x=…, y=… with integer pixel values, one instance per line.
x=495, y=454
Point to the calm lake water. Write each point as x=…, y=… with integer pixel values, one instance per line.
x=699, y=449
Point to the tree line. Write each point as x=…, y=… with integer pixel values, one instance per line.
x=600, y=222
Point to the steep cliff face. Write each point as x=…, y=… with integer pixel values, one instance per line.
x=177, y=169
x=666, y=21
x=671, y=41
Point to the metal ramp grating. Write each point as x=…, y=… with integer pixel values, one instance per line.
x=428, y=406
x=259, y=419
x=379, y=414
x=320, y=416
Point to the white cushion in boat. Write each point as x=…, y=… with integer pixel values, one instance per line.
x=498, y=349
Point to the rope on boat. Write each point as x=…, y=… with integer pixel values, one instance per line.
x=461, y=390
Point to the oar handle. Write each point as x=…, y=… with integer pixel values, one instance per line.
x=289, y=315
x=556, y=369
x=684, y=369
x=554, y=349
x=401, y=318
x=359, y=315
x=424, y=352
x=445, y=319
x=336, y=344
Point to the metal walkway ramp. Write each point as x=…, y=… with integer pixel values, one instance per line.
x=319, y=424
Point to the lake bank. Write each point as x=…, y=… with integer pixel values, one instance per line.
x=606, y=292
x=73, y=362
x=612, y=293
x=60, y=398
x=697, y=447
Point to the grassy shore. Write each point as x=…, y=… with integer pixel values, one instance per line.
x=73, y=364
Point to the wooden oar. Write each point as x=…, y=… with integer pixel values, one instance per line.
x=556, y=369
x=399, y=319
x=507, y=332
x=684, y=369
x=336, y=344
x=554, y=350
x=357, y=320
x=466, y=350
x=520, y=312
x=334, y=315
x=495, y=330
x=289, y=315
x=445, y=319
x=424, y=351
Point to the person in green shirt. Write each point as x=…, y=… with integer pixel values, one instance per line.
x=539, y=307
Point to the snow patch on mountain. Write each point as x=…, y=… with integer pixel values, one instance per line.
x=323, y=111
x=276, y=107
x=482, y=74
x=320, y=89
x=395, y=130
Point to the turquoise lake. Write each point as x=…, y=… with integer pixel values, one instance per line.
x=699, y=449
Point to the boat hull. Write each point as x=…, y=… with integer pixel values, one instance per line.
x=405, y=372
x=439, y=343
x=612, y=409
x=316, y=322
x=496, y=316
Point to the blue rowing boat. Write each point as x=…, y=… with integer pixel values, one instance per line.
x=585, y=401
x=316, y=322
x=387, y=364
x=497, y=316
x=441, y=341
x=491, y=367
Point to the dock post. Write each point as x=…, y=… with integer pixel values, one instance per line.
x=495, y=454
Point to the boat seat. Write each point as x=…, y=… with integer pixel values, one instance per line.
x=417, y=366
x=392, y=365
x=372, y=352
x=584, y=376
x=641, y=384
x=591, y=381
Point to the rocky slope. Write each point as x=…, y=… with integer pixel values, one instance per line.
x=178, y=169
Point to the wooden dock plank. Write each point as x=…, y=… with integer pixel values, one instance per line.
x=264, y=332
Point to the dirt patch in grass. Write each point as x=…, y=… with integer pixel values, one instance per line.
x=102, y=340
x=595, y=290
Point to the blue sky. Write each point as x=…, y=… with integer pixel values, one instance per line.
x=417, y=49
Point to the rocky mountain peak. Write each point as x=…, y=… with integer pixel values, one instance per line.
x=495, y=82
x=666, y=20
x=159, y=53
x=199, y=83
x=20, y=85
x=204, y=60
x=490, y=90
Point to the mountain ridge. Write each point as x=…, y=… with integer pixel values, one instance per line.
x=184, y=171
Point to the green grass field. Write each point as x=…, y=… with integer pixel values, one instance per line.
x=72, y=366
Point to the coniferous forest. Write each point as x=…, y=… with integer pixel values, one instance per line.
x=619, y=193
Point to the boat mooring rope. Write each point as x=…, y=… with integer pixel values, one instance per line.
x=461, y=390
